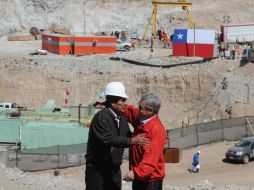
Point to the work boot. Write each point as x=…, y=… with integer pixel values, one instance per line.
x=196, y=171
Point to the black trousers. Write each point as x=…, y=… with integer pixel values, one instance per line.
x=154, y=185
x=103, y=179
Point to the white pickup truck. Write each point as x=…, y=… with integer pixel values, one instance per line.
x=8, y=106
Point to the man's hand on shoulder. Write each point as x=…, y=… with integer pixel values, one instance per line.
x=140, y=140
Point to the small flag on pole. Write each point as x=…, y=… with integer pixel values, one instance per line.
x=68, y=92
x=67, y=95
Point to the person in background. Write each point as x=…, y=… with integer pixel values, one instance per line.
x=133, y=44
x=165, y=42
x=223, y=49
x=109, y=134
x=152, y=41
x=196, y=163
x=220, y=51
x=171, y=37
x=233, y=51
x=168, y=43
x=147, y=165
x=117, y=34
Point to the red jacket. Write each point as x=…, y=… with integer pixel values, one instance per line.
x=147, y=163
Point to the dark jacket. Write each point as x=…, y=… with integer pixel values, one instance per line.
x=106, y=141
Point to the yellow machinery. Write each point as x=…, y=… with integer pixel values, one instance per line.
x=153, y=17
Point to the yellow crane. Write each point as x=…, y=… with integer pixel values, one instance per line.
x=153, y=17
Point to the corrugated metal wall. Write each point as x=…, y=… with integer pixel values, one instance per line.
x=205, y=133
x=42, y=134
x=9, y=130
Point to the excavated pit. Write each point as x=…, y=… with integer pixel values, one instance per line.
x=185, y=91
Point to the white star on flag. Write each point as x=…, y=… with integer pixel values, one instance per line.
x=180, y=36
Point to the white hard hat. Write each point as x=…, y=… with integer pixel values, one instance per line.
x=115, y=89
x=198, y=152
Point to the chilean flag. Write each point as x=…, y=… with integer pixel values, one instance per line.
x=190, y=42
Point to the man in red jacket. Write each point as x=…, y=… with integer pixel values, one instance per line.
x=147, y=166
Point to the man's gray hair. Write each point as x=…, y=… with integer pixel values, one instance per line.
x=153, y=101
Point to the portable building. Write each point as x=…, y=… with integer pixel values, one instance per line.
x=232, y=33
x=63, y=44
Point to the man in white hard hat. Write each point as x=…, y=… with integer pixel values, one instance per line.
x=108, y=136
x=196, y=163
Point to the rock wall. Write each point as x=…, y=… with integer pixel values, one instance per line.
x=77, y=15
x=91, y=16
x=21, y=15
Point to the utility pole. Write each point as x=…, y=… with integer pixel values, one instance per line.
x=84, y=6
x=247, y=97
x=226, y=20
x=248, y=93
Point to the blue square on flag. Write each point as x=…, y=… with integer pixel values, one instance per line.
x=180, y=36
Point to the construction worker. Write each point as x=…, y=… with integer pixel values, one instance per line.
x=196, y=164
x=152, y=41
x=223, y=49
x=163, y=34
x=168, y=43
x=117, y=34
x=123, y=36
x=165, y=42
x=147, y=165
x=133, y=44
x=159, y=34
x=109, y=134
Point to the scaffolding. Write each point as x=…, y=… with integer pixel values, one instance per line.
x=153, y=17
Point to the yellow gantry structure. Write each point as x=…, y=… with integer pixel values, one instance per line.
x=153, y=17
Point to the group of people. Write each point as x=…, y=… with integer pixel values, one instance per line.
x=236, y=51
x=163, y=38
x=110, y=134
x=120, y=35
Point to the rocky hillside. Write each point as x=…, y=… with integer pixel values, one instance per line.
x=106, y=15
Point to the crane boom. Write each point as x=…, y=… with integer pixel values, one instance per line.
x=153, y=17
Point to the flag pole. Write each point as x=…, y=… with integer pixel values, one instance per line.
x=194, y=49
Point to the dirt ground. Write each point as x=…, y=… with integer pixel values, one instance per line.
x=214, y=171
x=214, y=174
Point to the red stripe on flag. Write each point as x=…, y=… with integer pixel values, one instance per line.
x=201, y=50
x=68, y=92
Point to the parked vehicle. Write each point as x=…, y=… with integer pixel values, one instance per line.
x=242, y=151
x=125, y=46
x=8, y=105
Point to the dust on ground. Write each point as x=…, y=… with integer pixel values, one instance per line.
x=214, y=174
